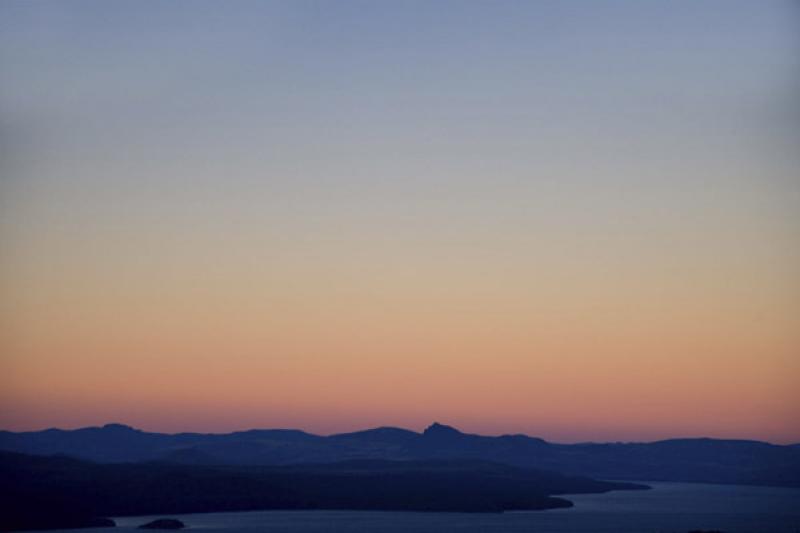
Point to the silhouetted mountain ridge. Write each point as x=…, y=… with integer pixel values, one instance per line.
x=693, y=460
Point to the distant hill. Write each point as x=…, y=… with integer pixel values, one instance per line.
x=692, y=460
x=58, y=492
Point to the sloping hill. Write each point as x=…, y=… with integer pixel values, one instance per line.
x=51, y=492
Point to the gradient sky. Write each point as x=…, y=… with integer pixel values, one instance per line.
x=576, y=220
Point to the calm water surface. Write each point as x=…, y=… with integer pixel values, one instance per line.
x=668, y=508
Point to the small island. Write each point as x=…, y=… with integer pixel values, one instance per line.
x=164, y=523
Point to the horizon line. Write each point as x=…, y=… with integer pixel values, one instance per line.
x=432, y=424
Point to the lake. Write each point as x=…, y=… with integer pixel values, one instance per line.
x=668, y=508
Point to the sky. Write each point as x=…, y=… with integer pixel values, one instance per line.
x=574, y=220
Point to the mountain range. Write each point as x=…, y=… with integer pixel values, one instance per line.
x=689, y=460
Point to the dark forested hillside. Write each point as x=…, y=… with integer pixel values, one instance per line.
x=49, y=492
